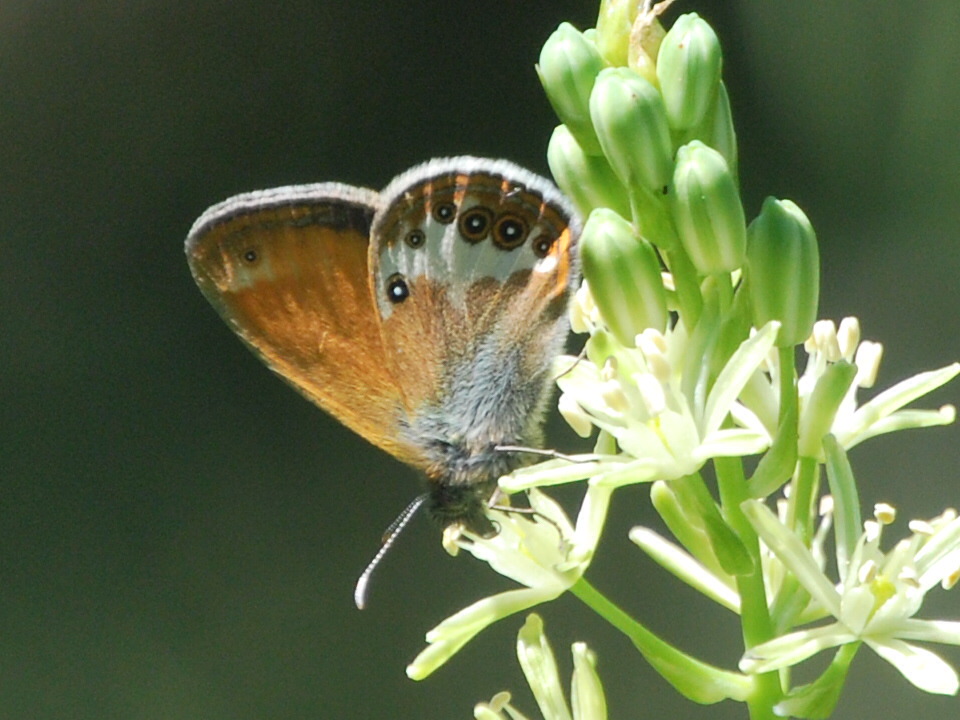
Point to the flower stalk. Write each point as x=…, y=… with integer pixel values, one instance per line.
x=695, y=679
x=703, y=357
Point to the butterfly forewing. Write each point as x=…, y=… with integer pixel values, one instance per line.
x=287, y=270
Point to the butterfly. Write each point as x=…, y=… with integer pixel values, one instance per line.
x=425, y=317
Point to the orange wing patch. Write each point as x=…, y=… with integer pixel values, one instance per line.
x=291, y=279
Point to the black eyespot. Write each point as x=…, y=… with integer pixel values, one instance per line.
x=509, y=232
x=543, y=246
x=475, y=223
x=250, y=256
x=444, y=212
x=415, y=238
x=397, y=290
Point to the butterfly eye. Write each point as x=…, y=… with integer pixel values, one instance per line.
x=415, y=239
x=475, y=223
x=444, y=212
x=397, y=290
x=543, y=246
x=509, y=232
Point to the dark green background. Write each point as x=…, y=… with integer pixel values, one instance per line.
x=180, y=532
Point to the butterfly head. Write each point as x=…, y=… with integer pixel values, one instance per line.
x=465, y=505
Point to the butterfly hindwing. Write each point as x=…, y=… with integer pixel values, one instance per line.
x=471, y=266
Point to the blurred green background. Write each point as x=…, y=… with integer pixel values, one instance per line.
x=180, y=532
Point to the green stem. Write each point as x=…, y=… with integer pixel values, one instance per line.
x=725, y=546
x=803, y=492
x=686, y=283
x=754, y=613
x=780, y=462
x=695, y=679
x=819, y=698
x=790, y=602
x=788, y=382
x=725, y=292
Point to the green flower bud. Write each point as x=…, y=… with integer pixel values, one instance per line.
x=783, y=263
x=623, y=272
x=569, y=64
x=613, y=29
x=588, y=180
x=707, y=210
x=631, y=124
x=688, y=68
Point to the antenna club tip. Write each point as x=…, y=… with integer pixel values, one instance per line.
x=360, y=593
x=396, y=527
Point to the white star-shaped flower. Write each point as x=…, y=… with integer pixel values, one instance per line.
x=875, y=601
x=851, y=424
x=542, y=551
x=659, y=406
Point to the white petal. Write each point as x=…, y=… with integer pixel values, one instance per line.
x=856, y=606
x=499, y=708
x=848, y=337
x=485, y=712
x=793, y=554
x=940, y=556
x=941, y=631
x=849, y=435
x=921, y=667
x=761, y=396
x=638, y=471
x=540, y=668
x=889, y=617
x=735, y=374
x=896, y=397
x=556, y=472
x=577, y=375
x=543, y=504
x=457, y=630
x=576, y=417
x=646, y=440
x=793, y=648
x=590, y=521
x=525, y=550
x=746, y=418
x=677, y=561
x=586, y=692
x=733, y=442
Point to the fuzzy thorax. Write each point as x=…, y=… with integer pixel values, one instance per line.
x=485, y=408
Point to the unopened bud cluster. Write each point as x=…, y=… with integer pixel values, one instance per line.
x=648, y=152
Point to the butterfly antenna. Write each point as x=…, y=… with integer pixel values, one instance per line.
x=501, y=502
x=389, y=536
x=580, y=356
x=543, y=453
